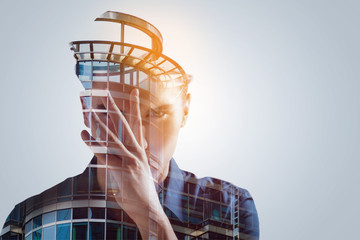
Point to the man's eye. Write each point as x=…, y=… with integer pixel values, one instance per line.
x=157, y=114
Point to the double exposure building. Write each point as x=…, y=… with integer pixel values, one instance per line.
x=78, y=208
x=84, y=206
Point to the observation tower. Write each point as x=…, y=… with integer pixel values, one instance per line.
x=115, y=68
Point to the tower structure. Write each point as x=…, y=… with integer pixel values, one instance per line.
x=115, y=68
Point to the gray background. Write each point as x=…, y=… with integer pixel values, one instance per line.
x=275, y=105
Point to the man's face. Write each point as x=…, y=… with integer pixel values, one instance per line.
x=162, y=121
x=163, y=113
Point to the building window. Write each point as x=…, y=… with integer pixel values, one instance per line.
x=80, y=213
x=36, y=235
x=114, y=214
x=113, y=189
x=81, y=183
x=28, y=227
x=97, y=213
x=100, y=71
x=49, y=233
x=49, y=218
x=84, y=73
x=127, y=218
x=97, y=181
x=63, y=231
x=215, y=211
x=96, y=231
x=196, y=207
x=63, y=215
x=129, y=232
x=37, y=222
x=64, y=188
x=114, y=72
x=113, y=231
x=79, y=231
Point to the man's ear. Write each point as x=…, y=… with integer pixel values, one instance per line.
x=186, y=109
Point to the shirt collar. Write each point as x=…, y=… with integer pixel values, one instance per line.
x=175, y=187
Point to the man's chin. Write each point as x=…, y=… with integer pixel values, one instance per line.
x=159, y=174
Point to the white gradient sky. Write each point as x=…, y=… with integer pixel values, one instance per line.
x=275, y=107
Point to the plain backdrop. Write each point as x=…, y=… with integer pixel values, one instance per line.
x=275, y=101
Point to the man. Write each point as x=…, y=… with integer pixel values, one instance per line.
x=135, y=102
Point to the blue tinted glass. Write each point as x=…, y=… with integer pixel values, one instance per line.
x=37, y=222
x=196, y=211
x=28, y=227
x=28, y=237
x=114, y=67
x=79, y=231
x=97, y=231
x=86, y=102
x=225, y=214
x=49, y=217
x=100, y=67
x=86, y=84
x=63, y=215
x=63, y=231
x=37, y=235
x=84, y=71
x=100, y=71
x=215, y=211
x=49, y=233
x=195, y=219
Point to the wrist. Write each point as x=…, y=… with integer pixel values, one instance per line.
x=156, y=226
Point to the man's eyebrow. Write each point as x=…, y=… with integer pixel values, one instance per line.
x=163, y=107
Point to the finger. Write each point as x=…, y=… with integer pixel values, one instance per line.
x=94, y=146
x=145, y=144
x=112, y=119
x=135, y=116
x=122, y=121
x=90, y=140
x=112, y=136
x=100, y=150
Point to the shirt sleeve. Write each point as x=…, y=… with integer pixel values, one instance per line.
x=248, y=219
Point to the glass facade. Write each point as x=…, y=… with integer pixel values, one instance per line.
x=63, y=231
x=206, y=214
